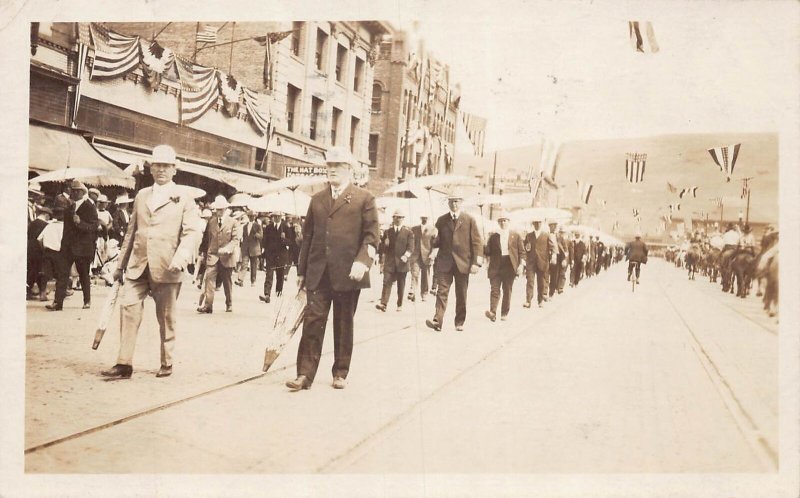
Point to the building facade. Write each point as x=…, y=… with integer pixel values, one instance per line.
x=414, y=112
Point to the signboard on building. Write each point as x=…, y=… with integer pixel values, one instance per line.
x=303, y=170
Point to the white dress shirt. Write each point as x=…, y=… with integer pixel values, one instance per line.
x=504, y=234
x=51, y=235
x=160, y=195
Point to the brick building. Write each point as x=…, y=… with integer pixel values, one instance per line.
x=405, y=109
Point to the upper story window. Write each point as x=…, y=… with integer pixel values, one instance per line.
x=377, y=97
x=341, y=63
x=320, y=57
x=359, y=75
x=298, y=28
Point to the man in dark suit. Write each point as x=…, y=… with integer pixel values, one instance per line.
x=251, y=245
x=340, y=237
x=276, y=254
x=636, y=254
x=556, y=265
x=578, y=258
x=77, y=244
x=219, y=245
x=121, y=217
x=397, y=247
x=540, y=249
x=564, y=261
x=505, y=251
x=35, y=276
x=460, y=253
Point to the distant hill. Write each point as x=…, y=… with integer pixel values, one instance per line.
x=682, y=160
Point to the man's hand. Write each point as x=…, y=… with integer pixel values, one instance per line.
x=404, y=258
x=357, y=271
x=118, y=275
x=474, y=269
x=563, y=263
x=175, y=267
x=519, y=271
x=76, y=219
x=301, y=282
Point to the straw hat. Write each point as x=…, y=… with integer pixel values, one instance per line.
x=455, y=193
x=102, y=198
x=75, y=184
x=398, y=213
x=95, y=191
x=503, y=216
x=338, y=155
x=123, y=199
x=220, y=202
x=163, y=154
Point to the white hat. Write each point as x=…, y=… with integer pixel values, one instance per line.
x=206, y=213
x=94, y=191
x=455, y=193
x=398, y=212
x=503, y=216
x=123, y=199
x=276, y=213
x=220, y=202
x=102, y=198
x=338, y=155
x=163, y=154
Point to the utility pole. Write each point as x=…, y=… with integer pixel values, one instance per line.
x=745, y=185
x=494, y=179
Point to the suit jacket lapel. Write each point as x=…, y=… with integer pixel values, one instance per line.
x=341, y=199
x=164, y=201
x=459, y=222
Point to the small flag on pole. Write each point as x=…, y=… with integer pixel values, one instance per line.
x=674, y=207
x=634, y=166
x=207, y=35
x=584, y=191
x=476, y=131
x=642, y=36
x=717, y=201
x=687, y=191
x=745, y=187
x=725, y=157
x=635, y=213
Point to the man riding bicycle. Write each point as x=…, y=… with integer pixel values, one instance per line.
x=636, y=254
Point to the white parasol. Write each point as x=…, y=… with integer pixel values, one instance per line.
x=290, y=202
x=91, y=176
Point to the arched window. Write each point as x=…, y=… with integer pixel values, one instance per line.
x=377, y=97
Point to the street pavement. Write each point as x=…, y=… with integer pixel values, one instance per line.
x=674, y=377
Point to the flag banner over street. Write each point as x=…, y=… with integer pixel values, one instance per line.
x=688, y=191
x=115, y=55
x=725, y=158
x=634, y=167
x=199, y=89
x=207, y=34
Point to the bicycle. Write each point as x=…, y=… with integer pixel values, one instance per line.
x=634, y=268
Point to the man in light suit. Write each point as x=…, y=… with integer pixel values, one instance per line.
x=161, y=240
x=421, y=259
x=460, y=253
x=397, y=247
x=340, y=238
x=251, y=246
x=219, y=247
x=540, y=249
x=505, y=251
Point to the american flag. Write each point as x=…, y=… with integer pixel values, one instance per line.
x=634, y=166
x=207, y=35
x=584, y=191
x=717, y=201
x=725, y=157
x=199, y=89
x=745, y=187
x=114, y=54
x=688, y=190
x=642, y=36
x=267, y=41
x=476, y=131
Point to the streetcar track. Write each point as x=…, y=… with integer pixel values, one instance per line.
x=716, y=378
x=170, y=404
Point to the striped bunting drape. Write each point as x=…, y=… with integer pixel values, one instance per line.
x=549, y=158
x=725, y=157
x=584, y=191
x=199, y=89
x=634, y=166
x=257, y=106
x=114, y=54
x=476, y=131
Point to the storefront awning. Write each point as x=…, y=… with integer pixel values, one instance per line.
x=240, y=181
x=51, y=149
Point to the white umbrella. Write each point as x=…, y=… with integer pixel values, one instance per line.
x=240, y=200
x=413, y=209
x=294, y=203
x=430, y=181
x=195, y=192
x=91, y=176
x=292, y=183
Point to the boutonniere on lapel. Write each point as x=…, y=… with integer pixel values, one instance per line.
x=348, y=198
x=176, y=199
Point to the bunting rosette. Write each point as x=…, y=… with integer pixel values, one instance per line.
x=156, y=60
x=231, y=92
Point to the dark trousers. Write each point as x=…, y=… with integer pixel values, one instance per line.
x=34, y=274
x=505, y=280
x=562, y=277
x=553, y=278
x=253, y=268
x=577, y=268
x=444, y=281
x=315, y=320
x=631, y=266
x=278, y=271
x=390, y=277
x=82, y=264
x=535, y=276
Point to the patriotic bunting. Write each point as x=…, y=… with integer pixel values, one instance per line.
x=584, y=191
x=258, y=107
x=642, y=36
x=156, y=60
x=83, y=51
x=476, y=131
x=688, y=190
x=725, y=158
x=717, y=201
x=114, y=54
x=231, y=92
x=549, y=159
x=634, y=167
x=199, y=89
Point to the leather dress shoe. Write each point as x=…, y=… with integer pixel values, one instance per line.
x=434, y=325
x=380, y=306
x=86, y=306
x=239, y=283
x=301, y=382
x=164, y=371
x=204, y=309
x=527, y=304
x=264, y=298
x=229, y=308
x=399, y=307
x=459, y=328
x=54, y=307
x=118, y=371
x=412, y=297
x=503, y=317
x=491, y=316
x=339, y=383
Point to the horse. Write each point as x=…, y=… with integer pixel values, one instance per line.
x=712, y=263
x=742, y=268
x=692, y=259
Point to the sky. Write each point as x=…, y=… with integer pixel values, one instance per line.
x=566, y=70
